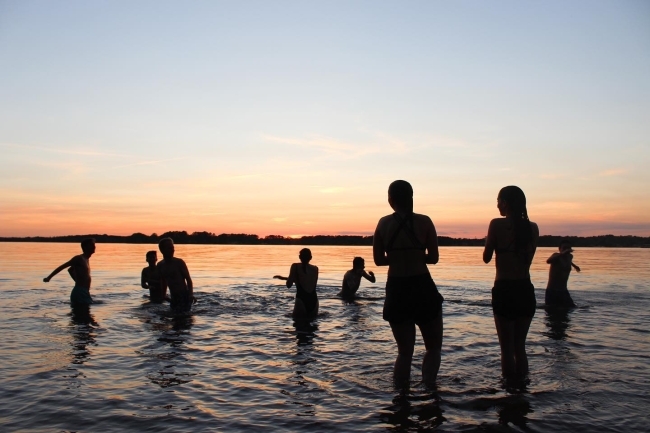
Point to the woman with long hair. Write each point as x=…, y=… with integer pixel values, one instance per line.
x=406, y=242
x=514, y=240
x=305, y=276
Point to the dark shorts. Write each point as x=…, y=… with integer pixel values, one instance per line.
x=513, y=299
x=558, y=298
x=80, y=296
x=412, y=299
x=155, y=296
x=181, y=303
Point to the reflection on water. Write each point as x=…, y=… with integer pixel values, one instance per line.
x=558, y=322
x=305, y=332
x=513, y=410
x=82, y=328
x=413, y=413
x=240, y=363
x=173, y=330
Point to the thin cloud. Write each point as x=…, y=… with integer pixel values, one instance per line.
x=65, y=151
x=332, y=190
x=552, y=176
x=150, y=162
x=341, y=148
x=613, y=172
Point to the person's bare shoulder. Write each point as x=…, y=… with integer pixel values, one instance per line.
x=422, y=219
x=534, y=228
x=498, y=222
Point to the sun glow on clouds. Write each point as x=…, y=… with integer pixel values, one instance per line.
x=218, y=143
x=613, y=172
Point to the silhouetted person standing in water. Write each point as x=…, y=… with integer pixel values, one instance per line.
x=352, y=278
x=557, y=292
x=514, y=239
x=175, y=275
x=150, y=279
x=305, y=276
x=406, y=242
x=80, y=273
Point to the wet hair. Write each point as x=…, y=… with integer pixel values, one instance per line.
x=151, y=253
x=86, y=243
x=516, y=200
x=401, y=195
x=357, y=261
x=304, y=253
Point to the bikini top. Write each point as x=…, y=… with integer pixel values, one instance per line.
x=510, y=248
x=410, y=232
x=506, y=249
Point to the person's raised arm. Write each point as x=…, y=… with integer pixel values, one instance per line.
x=553, y=258
x=576, y=267
x=433, y=255
x=490, y=243
x=59, y=269
x=370, y=276
x=378, y=252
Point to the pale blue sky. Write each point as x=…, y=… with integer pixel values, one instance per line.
x=293, y=117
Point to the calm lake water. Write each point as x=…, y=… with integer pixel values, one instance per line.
x=239, y=363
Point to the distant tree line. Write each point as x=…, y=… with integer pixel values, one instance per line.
x=183, y=237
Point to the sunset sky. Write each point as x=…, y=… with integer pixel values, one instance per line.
x=292, y=117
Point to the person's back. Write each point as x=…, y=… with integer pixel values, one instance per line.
x=305, y=277
x=513, y=240
x=175, y=275
x=79, y=270
x=558, y=273
x=511, y=263
x=405, y=239
x=406, y=242
x=150, y=279
x=171, y=270
x=557, y=293
x=352, y=279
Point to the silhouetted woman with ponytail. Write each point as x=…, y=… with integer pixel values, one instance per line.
x=406, y=242
x=514, y=240
x=305, y=276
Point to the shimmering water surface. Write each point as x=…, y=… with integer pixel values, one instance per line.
x=240, y=363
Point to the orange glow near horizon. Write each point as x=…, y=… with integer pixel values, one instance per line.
x=65, y=217
x=244, y=127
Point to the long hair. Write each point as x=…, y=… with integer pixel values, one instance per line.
x=401, y=194
x=305, y=257
x=516, y=200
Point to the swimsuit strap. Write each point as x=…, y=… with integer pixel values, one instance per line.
x=403, y=224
